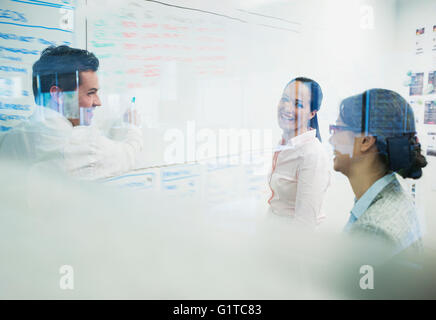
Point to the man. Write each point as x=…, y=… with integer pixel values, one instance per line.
x=65, y=86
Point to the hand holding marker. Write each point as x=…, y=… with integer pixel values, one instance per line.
x=132, y=115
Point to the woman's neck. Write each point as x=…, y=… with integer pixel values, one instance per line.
x=288, y=135
x=364, y=176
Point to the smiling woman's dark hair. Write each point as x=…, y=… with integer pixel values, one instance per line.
x=387, y=116
x=315, y=100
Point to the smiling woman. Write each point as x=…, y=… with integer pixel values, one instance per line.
x=298, y=107
x=300, y=172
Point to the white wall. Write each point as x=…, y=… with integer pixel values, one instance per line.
x=410, y=16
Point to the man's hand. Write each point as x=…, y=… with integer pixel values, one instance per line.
x=133, y=117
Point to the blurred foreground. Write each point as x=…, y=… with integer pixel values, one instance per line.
x=124, y=244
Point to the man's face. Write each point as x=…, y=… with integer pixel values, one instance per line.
x=88, y=88
x=87, y=97
x=78, y=105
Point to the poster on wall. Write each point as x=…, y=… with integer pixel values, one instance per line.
x=416, y=110
x=431, y=82
x=416, y=83
x=431, y=144
x=419, y=41
x=433, y=48
x=430, y=112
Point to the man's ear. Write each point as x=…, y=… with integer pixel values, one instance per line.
x=312, y=114
x=55, y=93
x=367, y=143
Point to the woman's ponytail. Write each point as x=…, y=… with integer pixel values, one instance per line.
x=314, y=125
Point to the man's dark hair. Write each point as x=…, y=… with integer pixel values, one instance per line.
x=59, y=66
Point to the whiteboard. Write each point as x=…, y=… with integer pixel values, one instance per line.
x=206, y=63
x=195, y=65
x=27, y=27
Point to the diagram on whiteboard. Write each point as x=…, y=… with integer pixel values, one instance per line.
x=27, y=27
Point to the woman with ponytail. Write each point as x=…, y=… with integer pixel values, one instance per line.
x=300, y=172
x=374, y=139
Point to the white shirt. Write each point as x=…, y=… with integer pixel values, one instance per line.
x=299, y=179
x=84, y=152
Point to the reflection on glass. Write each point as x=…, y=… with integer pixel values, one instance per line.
x=375, y=137
x=300, y=172
x=60, y=133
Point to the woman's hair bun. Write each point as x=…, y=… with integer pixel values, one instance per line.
x=418, y=161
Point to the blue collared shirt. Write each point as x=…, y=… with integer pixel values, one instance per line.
x=361, y=205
